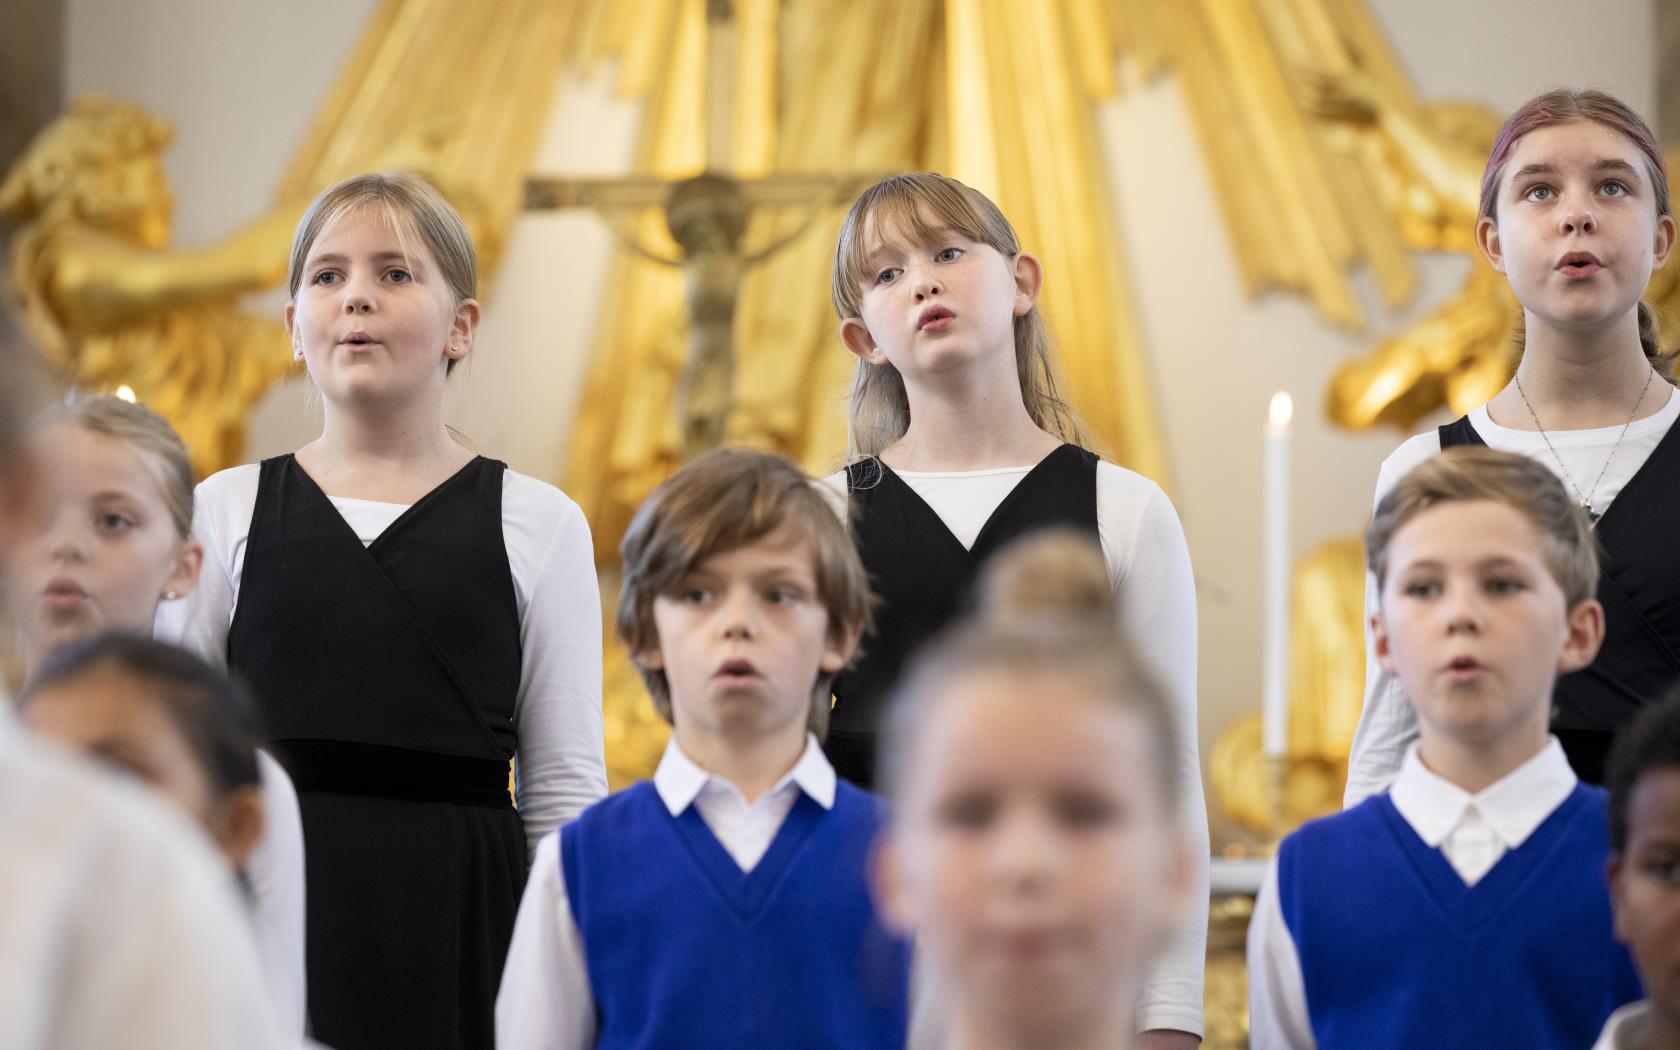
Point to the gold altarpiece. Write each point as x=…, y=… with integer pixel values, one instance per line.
x=1322, y=156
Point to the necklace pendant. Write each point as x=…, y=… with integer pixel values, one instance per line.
x=1592, y=515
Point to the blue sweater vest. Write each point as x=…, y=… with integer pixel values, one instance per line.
x=1397, y=952
x=684, y=950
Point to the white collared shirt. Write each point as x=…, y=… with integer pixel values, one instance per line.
x=1625, y=1027
x=1472, y=831
x=545, y=999
x=745, y=830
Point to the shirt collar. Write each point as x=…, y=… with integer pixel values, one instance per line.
x=1513, y=806
x=679, y=780
x=1625, y=1026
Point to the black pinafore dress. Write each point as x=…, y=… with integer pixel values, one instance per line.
x=924, y=578
x=1639, y=587
x=388, y=675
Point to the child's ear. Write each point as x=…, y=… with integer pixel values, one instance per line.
x=1586, y=634
x=183, y=575
x=855, y=334
x=838, y=649
x=463, y=331
x=237, y=823
x=1379, y=643
x=1487, y=239
x=292, y=332
x=886, y=885
x=1664, y=242
x=1029, y=278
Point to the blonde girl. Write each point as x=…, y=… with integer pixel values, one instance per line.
x=1033, y=849
x=959, y=443
x=1575, y=213
x=411, y=616
x=110, y=543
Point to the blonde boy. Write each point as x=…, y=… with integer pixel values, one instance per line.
x=1467, y=905
x=724, y=903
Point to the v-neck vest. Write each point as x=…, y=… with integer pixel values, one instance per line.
x=1396, y=951
x=1639, y=587
x=399, y=659
x=924, y=577
x=683, y=948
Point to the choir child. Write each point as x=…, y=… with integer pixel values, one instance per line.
x=1466, y=905
x=411, y=616
x=723, y=904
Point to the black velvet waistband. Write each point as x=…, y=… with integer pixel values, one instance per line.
x=374, y=770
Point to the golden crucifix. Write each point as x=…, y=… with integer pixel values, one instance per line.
x=707, y=215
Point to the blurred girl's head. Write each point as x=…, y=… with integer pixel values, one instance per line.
x=110, y=538
x=1034, y=850
x=163, y=715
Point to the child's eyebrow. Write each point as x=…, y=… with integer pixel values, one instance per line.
x=115, y=496
x=338, y=259
x=1500, y=561
x=879, y=254
x=1607, y=164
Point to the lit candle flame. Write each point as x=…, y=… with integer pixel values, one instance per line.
x=126, y=392
x=1283, y=409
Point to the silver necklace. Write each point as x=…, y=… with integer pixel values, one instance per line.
x=1586, y=497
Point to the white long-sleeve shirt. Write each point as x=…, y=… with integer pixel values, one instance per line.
x=275, y=873
x=562, y=768
x=1149, y=570
x=1387, y=724
x=1472, y=831
x=118, y=926
x=546, y=1002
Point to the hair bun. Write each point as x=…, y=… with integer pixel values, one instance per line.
x=1057, y=574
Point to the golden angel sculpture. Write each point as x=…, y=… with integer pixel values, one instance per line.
x=113, y=306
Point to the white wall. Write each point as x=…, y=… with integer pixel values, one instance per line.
x=242, y=79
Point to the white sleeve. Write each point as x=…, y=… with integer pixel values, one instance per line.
x=545, y=1002
x=1387, y=723
x=1277, y=994
x=1155, y=591
x=275, y=873
x=562, y=765
x=222, y=506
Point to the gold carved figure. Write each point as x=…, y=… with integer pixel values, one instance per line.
x=112, y=304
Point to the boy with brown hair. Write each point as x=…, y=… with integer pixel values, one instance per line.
x=724, y=903
x=1466, y=906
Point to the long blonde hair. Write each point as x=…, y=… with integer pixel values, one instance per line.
x=411, y=206
x=921, y=206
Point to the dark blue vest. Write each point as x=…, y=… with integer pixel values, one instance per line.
x=1396, y=951
x=684, y=950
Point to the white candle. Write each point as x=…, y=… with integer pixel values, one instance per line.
x=1274, y=697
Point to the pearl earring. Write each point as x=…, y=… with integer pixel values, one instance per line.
x=170, y=596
